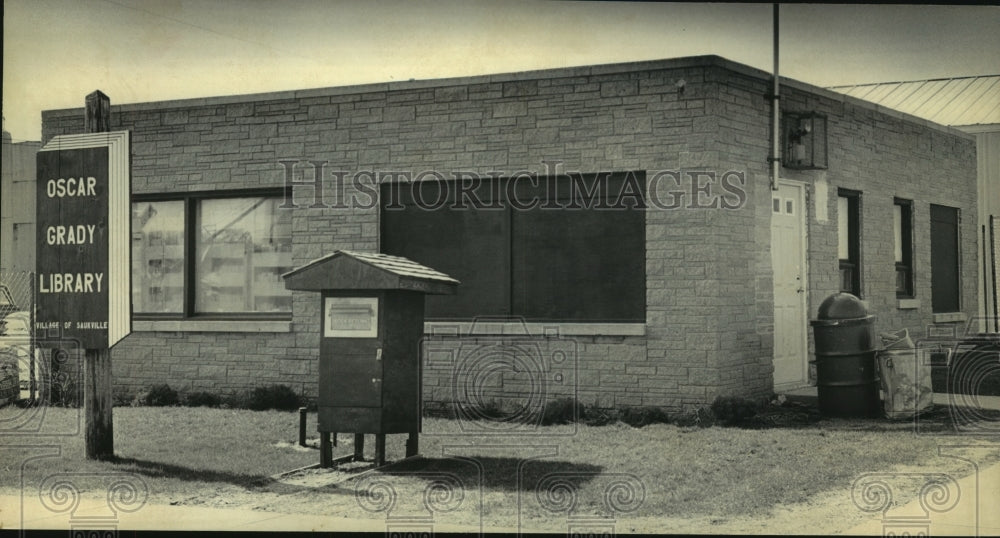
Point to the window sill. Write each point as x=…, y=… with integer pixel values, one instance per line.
x=907, y=304
x=949, y=317
x=212, y=326
x=553, y=329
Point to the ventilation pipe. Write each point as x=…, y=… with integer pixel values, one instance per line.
x=775, y=158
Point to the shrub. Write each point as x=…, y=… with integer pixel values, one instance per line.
x=202, y=399
x=562, y=411
x=638, y=417
x=235, y=400
x=491, y=410
x=161, y=395
x=438, y=410
x=122, y=397
x=734, y=410
x=701, y=417
x=280, y=397
x=64, y=392
x=599, y=416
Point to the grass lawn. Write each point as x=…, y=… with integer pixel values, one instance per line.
x=217, y=457
x=176, y=449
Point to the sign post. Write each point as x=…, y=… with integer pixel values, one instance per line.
x=82, y=267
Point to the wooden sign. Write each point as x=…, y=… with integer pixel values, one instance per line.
x=84, y=220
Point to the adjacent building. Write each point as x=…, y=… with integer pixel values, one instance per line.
x=17, y=215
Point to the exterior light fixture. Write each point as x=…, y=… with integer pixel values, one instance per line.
x=804, y=140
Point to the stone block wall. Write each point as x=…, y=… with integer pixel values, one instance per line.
x=708, y=274
x=880, y=153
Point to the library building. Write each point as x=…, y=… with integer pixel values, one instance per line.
x=615, y=230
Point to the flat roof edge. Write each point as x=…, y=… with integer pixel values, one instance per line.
x=841, y=97
x=536, y=74
x=558, y=72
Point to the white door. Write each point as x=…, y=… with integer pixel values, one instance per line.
x=788, y=257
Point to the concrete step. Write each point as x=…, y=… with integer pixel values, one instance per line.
x=807, y=395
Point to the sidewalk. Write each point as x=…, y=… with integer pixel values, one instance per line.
x=974, y=514
x=94, y=514
x=808, y=394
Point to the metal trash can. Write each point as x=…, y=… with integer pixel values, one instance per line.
x=846, y=380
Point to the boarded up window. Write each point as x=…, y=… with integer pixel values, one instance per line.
x=557, y=249
x=469, y=244
x=944, y=259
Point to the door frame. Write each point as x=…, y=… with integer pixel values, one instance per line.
x=803, y=217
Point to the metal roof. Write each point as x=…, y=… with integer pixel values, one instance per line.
x=948, y=101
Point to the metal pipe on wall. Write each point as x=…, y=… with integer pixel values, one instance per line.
x=993, y=263
x=775, y=112
x=986, y=284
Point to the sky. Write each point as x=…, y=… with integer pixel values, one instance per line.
x=57, y=51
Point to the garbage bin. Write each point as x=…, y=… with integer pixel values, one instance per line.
x=906, y=383
x=846, y=382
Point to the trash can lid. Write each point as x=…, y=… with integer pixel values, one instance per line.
x=842, y=306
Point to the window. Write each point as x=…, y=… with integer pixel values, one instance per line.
x=789, y=206
x=944, y=259
x=158, y=257
x=554, y=249
x=902, y=228
x=210, y=254
x=849, y=240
